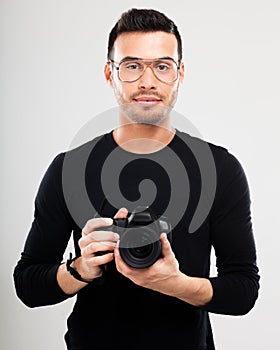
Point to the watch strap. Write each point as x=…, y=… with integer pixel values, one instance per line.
x=74, y=272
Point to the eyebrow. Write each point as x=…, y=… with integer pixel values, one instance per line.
x=131, y=58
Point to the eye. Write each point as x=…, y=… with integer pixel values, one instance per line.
x=132, y=65
x=162, y=67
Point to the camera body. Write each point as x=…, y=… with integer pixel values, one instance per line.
x=140, y=244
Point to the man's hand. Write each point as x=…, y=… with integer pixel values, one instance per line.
x=165, y=277
x=161, y=276
x=95, y=241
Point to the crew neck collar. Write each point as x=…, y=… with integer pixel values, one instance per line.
x=114, y=144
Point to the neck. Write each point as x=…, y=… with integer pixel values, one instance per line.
x=143, y=138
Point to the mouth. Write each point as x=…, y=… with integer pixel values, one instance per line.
x=147, y=100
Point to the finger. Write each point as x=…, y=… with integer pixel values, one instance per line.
x=96, y=223
x=101, y=260
x=99, y=236
x=121, y=266
x=118, y=259
x=116, y=250
x=166, y=247
x=93, y=248
x=121, y=214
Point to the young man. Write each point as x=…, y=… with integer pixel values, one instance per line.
x=165, y=304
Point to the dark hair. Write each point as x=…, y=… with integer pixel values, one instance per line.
x=143, y=20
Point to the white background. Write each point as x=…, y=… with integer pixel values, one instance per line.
x=52, y=58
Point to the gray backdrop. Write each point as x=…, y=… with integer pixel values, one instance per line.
x=52, y=58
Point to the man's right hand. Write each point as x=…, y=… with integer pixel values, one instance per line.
x=94, y=241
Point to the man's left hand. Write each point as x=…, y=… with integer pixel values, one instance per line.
x=162, y=276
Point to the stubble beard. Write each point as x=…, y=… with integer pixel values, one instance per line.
x=146, y=115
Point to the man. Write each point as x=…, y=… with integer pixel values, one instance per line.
x=165, y=304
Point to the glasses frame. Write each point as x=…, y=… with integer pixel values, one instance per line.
x=116, y=65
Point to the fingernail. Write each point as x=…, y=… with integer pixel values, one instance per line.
x=116, y=236
x=109, y=221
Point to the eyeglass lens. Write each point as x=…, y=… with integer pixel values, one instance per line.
x=165, y=70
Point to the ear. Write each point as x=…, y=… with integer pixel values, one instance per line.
x=108, y=73
x=181, y=72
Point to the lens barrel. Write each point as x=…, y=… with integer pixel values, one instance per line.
x=140, y=247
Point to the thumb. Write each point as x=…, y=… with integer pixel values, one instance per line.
x=166, y=247
x=121, y=213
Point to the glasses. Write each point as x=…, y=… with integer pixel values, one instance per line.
x=130, y=70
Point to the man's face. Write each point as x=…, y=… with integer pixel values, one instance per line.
x=146, y=100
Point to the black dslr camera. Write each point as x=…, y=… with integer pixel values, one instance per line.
x=140, y=244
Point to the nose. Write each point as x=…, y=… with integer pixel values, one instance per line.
x=148, y=80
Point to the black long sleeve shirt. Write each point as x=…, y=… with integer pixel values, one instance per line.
x=116, y=311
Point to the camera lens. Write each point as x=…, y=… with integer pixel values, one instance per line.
x=140, y=247
x=141, y=252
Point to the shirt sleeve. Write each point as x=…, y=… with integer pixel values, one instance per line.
x=235, y=289
x=35, y=272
